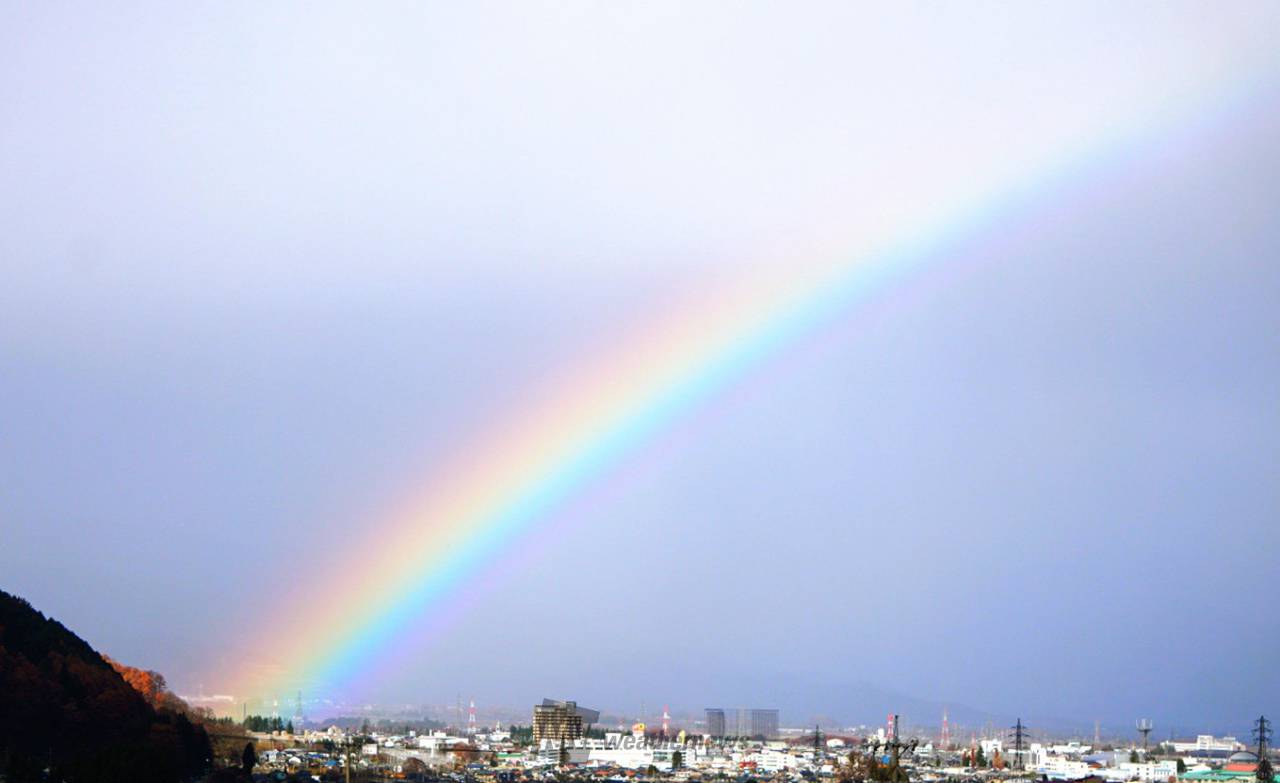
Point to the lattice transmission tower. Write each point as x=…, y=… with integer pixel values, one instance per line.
x=1262, y=733
x=1019, y=741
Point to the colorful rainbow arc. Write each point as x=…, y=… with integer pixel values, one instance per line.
x=525, y=473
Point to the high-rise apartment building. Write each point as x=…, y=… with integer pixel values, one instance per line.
x=561, y=720
x=715, y=722
x=746, y=723
x=763, y=724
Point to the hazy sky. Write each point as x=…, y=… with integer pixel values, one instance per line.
x=264, y=268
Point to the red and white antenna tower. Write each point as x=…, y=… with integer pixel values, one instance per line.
x=665, y=718
x=946, y=730
x=471, y=718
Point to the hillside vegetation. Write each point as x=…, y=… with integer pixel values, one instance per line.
x=66, y=709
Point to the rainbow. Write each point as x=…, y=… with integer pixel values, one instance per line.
x=518, y=476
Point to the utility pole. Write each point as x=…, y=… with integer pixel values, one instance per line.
x=894, y=747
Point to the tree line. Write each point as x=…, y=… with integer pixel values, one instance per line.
x=264, y=724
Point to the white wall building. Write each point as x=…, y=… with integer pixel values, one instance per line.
x=1062, y=768
x=1206, y=743
x=1070, y=749
x=1151, y=771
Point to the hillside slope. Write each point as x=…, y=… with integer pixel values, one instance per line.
x=64, y=707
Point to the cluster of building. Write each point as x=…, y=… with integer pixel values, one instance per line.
x=1205, y=758
x=745, y=743
x=562, y=737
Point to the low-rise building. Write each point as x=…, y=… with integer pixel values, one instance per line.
x=1206, y=744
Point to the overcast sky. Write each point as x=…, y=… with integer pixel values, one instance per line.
x=264, y=268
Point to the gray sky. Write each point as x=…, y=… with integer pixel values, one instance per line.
x=265, y=269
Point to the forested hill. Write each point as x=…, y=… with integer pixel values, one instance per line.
x=64, y=708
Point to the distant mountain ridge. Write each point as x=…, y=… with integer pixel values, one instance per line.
x=68, y=710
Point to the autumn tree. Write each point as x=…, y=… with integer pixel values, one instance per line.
x=866, y=768
x=414, y=766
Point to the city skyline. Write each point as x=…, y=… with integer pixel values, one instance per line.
x=926, y=718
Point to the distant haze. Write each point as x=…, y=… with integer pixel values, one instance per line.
x=264, y=271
